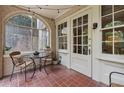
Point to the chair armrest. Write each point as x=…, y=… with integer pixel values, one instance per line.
x=110, y=83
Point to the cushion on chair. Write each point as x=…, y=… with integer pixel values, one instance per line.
x=18, y=60
x=27, y=63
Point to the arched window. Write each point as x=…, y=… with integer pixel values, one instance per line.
x=25, y=33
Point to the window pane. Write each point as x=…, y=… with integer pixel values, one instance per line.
x=119, y=18
x=17, y=38
x=119, y=47
x=107, y=21
x=107, y=35
x=85, y=29
x=65, y=24
x=118, y=7
x=62, y=26
x=65, y=45
x=60, y=46
x=79, y=30
x=58, y=27
x=22, y=20
x=79, y=40
x=119, y=34
x=106, y=9
x=80, y=21
x=34, y=22
x=107, y=47
x=65, y=39
x=80, y=49
x=61, y=39
x=85, y=19
x=85, y=50
x=35, y=38
x=59, y=33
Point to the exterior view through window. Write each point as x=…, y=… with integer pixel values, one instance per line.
x=62, y=36
x=112, y=23
x=25, y=33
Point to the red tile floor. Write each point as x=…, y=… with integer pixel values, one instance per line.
x=59, y=76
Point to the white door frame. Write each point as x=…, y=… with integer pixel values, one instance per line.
x=89, y=12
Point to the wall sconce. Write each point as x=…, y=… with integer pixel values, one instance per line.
x=95, y=25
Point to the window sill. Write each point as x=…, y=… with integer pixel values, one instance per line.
x=112, y=58
x=63, y=51
x=23, y=53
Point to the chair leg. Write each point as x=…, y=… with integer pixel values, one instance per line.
x=25, y=73
x=40, y=65
x=12, y=73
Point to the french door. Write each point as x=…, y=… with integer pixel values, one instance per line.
x=81, y=43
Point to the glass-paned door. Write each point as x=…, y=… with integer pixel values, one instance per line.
x=81, y=43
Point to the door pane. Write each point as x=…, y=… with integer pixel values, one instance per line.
x=79, y=30
x=79, y=40
x=85, y=19
x=85, y=39
x=74, y=22
x=74, y=49
x=74, y=40
x=85, y=50
x=80, y=21
x=79, y=49
x=85, y=30
x=74, y=31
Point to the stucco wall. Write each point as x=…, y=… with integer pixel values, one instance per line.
x=0, y=47
x=6, y=12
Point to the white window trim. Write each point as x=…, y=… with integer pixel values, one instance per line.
x=31, y=28
x=116, y=58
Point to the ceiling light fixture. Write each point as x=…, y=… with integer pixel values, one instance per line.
x=39, y=7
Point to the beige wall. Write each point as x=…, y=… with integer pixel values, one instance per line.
x=0, y=48
x=6, y=12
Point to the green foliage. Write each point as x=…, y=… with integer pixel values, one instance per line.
x=21, y=20
x=7, y=48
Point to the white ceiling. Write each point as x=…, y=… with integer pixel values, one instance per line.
x=50, y=11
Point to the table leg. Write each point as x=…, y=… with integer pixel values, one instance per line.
x=34, y=68
x=40, y=64
x=45, y=67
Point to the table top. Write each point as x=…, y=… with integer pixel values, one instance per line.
x=31, y=55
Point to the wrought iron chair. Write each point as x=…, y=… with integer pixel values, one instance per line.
x=18, y=61
x=49, y=57
x=110, y=80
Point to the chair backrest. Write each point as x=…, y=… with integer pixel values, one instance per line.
x=49, y=52
x=16, y=58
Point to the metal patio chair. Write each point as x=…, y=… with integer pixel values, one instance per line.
x=18, y=61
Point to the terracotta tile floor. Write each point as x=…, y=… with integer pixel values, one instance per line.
x=59, y=76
